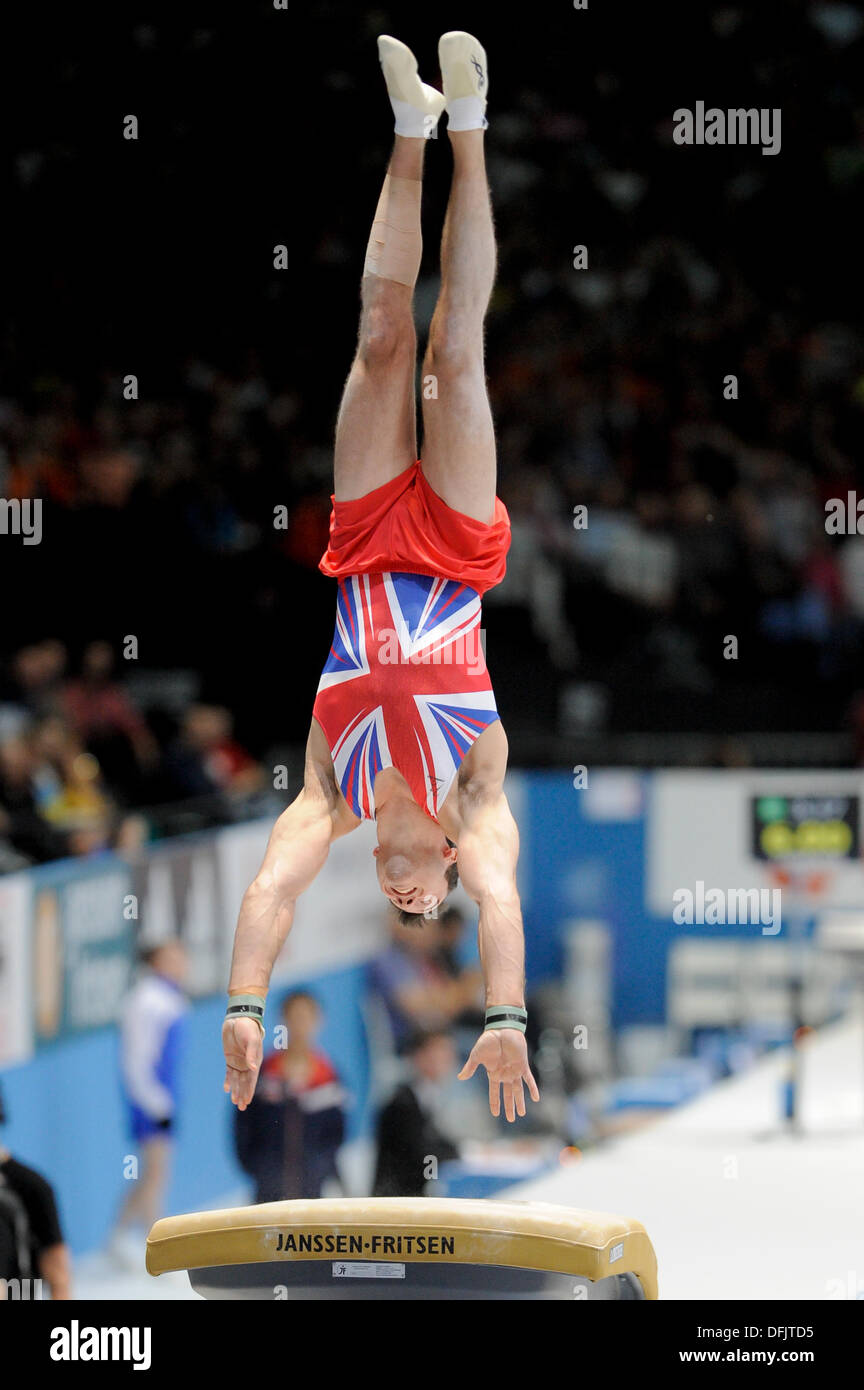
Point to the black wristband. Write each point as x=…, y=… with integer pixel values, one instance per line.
x=506, y=1016
x=245, y=1006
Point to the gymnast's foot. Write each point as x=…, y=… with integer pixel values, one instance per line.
x=466, y=80
x=416, y=106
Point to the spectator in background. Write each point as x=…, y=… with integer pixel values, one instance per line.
x=207, y=761
x=152, y=1027
x=31, y=1239
x=70, y=789
x=53, y=799
x=408, y=1135
x=37, y=673
x=287, y=1139
x=418, y=990
x=22, y=822
x=102, y=714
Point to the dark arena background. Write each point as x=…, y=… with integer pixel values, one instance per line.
x=675, y=362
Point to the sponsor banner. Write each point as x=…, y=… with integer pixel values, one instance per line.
x=298, y=1243
x=178, y=893
x=82, y=940
x=16, y=1025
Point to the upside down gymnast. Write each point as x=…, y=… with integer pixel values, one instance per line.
x=404, y=728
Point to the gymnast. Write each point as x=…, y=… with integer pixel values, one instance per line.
x=405, y=729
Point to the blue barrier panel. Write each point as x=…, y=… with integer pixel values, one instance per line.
x=583, y=866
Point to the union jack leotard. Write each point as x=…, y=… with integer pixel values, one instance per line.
x=405, y=685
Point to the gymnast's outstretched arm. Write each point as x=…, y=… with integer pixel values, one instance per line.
x=296, y=853
x=488, y=853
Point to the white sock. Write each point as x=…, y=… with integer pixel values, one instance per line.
x=466, y=113
x=411, y=121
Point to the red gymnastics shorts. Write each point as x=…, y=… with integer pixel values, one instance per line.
x=404, y=526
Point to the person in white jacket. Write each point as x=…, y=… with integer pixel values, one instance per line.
x=152, y=1026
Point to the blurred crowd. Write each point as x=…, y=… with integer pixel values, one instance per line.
x=82, y=770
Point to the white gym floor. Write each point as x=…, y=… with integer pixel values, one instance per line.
x=736, y=1207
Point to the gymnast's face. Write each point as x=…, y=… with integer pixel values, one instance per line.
x=414, y=877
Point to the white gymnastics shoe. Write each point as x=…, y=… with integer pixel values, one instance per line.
x=416, y=106
x=466, y=80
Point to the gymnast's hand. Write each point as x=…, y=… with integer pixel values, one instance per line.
x=242, y=1043
x=502, y=1051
